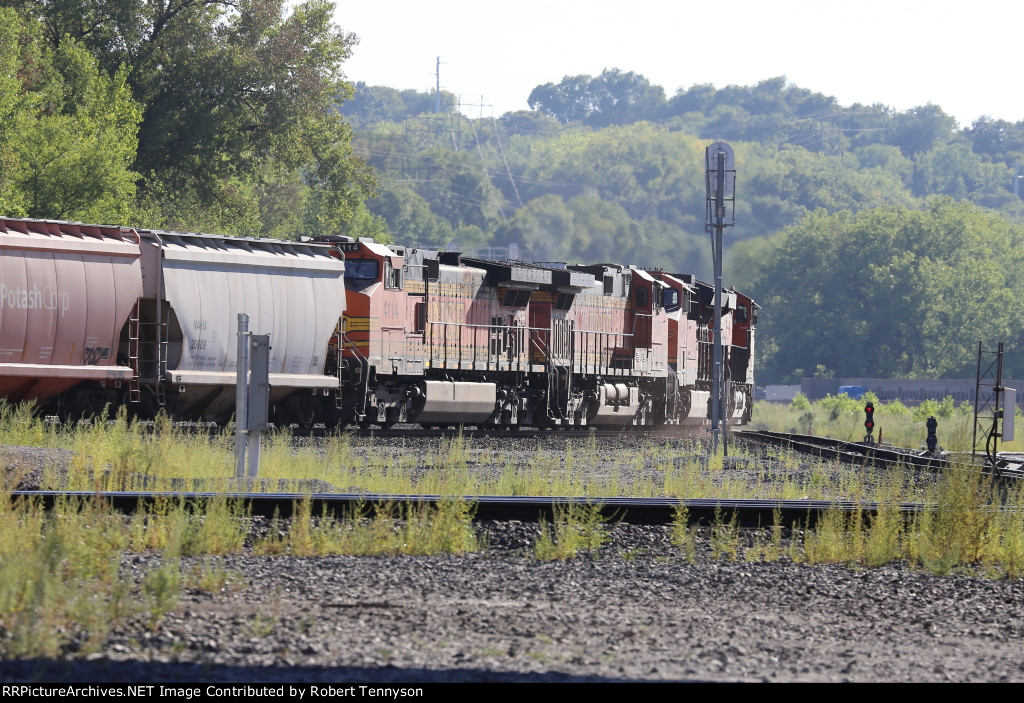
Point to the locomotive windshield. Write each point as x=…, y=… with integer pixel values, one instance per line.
x=362, y=269
x=670, y=299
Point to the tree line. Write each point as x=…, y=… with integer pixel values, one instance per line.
x=840, y=210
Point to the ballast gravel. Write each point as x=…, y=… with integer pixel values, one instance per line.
x=639, y=610
x=636, y=612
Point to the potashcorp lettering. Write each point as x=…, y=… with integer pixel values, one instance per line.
x=49, y=298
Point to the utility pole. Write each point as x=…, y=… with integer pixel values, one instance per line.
x=437, y=90
x=720, y=183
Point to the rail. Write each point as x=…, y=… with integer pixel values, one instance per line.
x=652, y=511
x=878, y=454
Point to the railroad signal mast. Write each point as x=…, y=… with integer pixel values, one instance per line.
x=869, y=423
x=994, y=406
x=720, y=183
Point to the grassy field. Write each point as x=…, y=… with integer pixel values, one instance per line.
x=843, y=418
x=62, y=583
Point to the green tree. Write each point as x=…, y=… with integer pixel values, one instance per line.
x=997, y=140
x=891, y=292
x=377, y=103
x=953, y=169
x=69, y=133
x=921, y=129
x=228, y=88
x=409, y=217
x=614, y=97
x=567, y=101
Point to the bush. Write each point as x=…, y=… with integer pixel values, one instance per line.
x=894, y=409
x=837, y=405
x=929, y=408
x=800, y=403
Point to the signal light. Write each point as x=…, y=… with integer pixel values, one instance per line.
x=869, y=421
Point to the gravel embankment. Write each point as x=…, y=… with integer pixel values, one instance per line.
x=638, y=611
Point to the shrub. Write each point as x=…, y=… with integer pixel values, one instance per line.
x=840, y=404
x=894, y=409
x=800, y=403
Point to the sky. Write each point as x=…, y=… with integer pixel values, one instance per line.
x=965, y=57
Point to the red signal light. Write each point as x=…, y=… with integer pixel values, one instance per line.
x=869, y=421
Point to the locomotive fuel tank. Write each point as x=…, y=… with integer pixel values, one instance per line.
x=66, y=292
x=453, y=402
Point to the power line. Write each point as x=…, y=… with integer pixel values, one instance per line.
x=497, y=137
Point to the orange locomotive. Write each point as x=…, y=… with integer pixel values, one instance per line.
x=437, y=339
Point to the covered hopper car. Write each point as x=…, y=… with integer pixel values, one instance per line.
x=361, y=332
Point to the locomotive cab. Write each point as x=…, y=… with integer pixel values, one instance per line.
x=682, y=332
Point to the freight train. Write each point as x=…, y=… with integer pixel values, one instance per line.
x=361, y=332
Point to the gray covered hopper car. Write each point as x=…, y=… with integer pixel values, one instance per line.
x=194, y=287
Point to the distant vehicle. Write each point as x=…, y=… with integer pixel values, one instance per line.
x=760, y=393
x=855, y=392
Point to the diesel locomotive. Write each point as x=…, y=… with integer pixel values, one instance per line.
x=439, y=339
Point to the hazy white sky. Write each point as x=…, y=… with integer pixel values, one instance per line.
x=965, y=56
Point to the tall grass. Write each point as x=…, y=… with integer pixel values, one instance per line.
x=63, y=587
x=417, y=529
x=974, y=526
x=842, y=418
x=59, y=582
x=575, y=528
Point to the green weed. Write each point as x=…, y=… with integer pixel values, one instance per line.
x=575, y=528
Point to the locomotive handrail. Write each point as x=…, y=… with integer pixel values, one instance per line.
x=355, y=348
x=532, y=329
x=475, y=324
x=553, y=364
x=364, y=372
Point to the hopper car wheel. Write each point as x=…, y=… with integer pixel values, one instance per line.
x=330, y=415
x=298, y=411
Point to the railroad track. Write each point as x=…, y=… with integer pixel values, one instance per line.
x=1009, y=466
x=849, y=452
x=416, y=431
x=521, y=433
x=650, y=511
